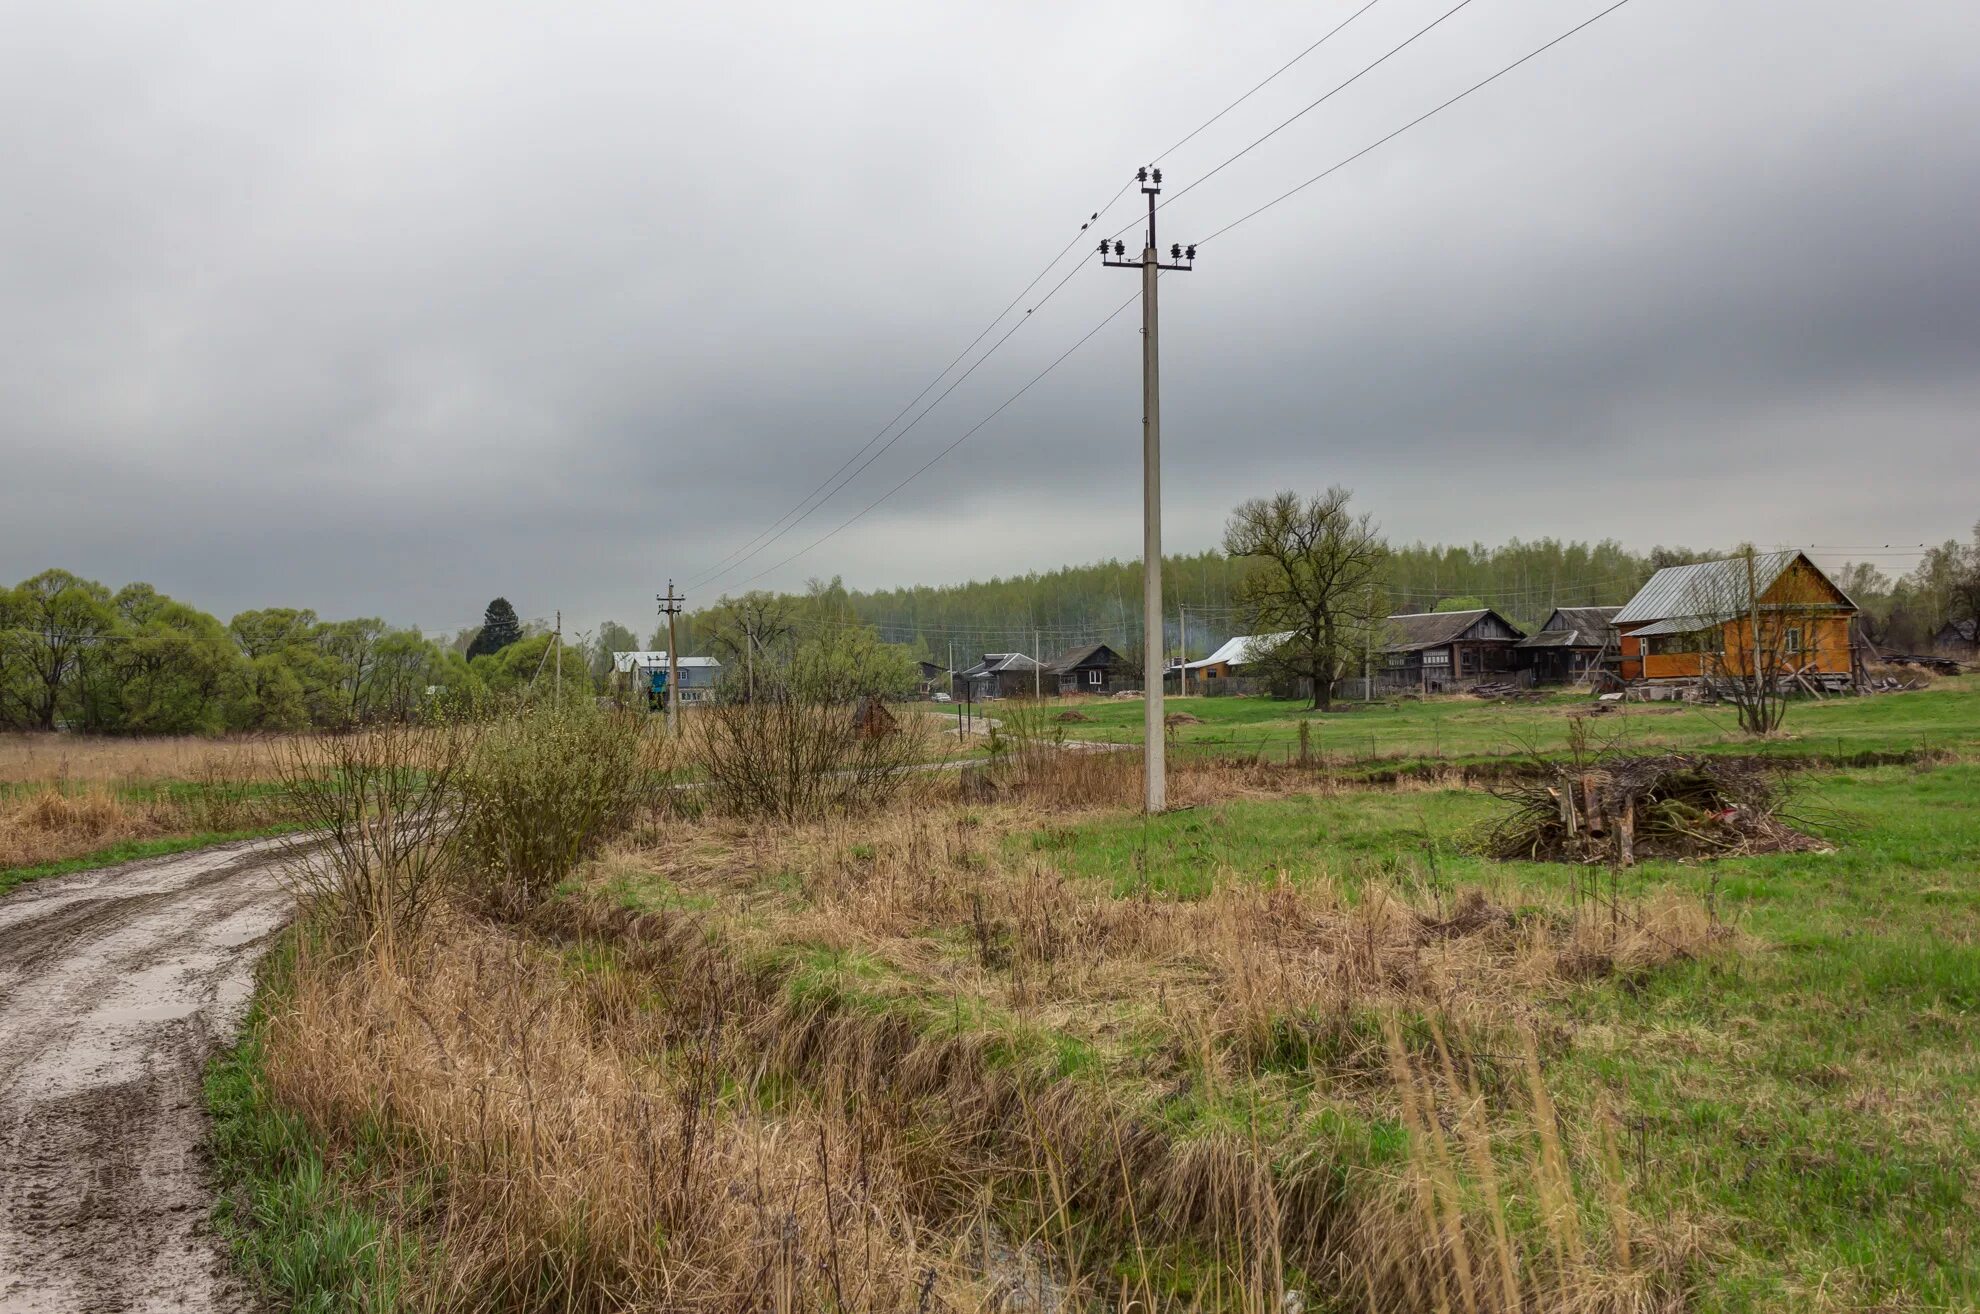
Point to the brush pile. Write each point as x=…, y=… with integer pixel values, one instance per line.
x=1625, y=808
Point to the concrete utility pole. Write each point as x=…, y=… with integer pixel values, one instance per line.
x=1155, y=787
x=670, y=607
x=1182, y=651
x=1037, y=669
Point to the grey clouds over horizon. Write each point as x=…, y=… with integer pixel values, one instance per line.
x=385, y=310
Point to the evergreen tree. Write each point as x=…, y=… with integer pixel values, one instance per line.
x=499, y=629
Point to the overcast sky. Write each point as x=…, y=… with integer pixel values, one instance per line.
x=386, y=309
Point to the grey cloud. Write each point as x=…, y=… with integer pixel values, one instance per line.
x=386, y=311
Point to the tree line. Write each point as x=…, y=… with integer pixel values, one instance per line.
x=75, y=654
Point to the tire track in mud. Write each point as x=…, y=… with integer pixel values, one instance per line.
x=116, y=987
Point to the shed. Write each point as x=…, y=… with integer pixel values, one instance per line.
x=1002, y=675
x=1573, y=642
x=1234, y=655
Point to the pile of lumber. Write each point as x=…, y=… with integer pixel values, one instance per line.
x=1625, y=808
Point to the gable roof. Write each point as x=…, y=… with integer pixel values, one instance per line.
x=648, y=660
x=1574, y=627
x=1086, y=654
x=1707, y=592
x=1242, y=649
x=1434, y=629
x=996, y=662
x=1968, y=630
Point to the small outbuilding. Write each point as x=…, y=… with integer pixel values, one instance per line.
x=1001, y=675
x=1570, y=646
x=1230, y=659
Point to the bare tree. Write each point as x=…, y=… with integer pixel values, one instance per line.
x=1313, y=572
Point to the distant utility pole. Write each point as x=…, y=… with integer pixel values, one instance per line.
x=1182, y=655
x=1155, y=789
x=557, y=687
x=670, y=607
x=1037, y=668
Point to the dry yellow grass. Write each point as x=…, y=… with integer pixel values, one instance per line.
x=92, y=759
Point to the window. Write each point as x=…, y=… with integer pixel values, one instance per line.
x=1096, y=676
x=1209, y=673
x=1794, y=638
x=1437, y=657
x=1395, y=660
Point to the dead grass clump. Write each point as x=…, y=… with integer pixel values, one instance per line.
x=67, y=760
x=1071, y=715
x=1625, y=808
x=52, y=824
x=1181, y=718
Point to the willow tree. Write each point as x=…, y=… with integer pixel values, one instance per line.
x=1312, y=571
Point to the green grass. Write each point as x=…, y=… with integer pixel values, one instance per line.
x=132, y=851
x=297, y=1224
x=1812, y=1103
x=1461, y=728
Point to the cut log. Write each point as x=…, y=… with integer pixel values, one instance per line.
x=1626, y=834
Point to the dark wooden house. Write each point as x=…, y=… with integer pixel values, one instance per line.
x=1436, y=651
x=1091, y=668
x=1959, y=640
x=1573, y=642
x=1001, y=675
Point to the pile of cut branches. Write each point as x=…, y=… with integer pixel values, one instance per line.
x=1625, y=808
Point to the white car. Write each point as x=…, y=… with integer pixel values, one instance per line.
x=940, y=698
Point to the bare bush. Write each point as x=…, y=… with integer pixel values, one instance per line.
x=796, y=755
x=542, y=788
x=375, y=804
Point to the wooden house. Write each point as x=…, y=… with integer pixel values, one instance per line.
x=1959, y=640
x=1710, y=619
x=1228, y=662
x=1572, y=643
x=1436, y=651
x=1001, y=675
x=1091, y=668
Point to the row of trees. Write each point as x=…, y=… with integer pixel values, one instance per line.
x=76, y=654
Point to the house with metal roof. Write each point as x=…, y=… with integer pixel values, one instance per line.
x=1573, y=642
x=646, y=672
x=1716, y=618
x=1230, y=659
x=1001, y=675
x=1436, y=651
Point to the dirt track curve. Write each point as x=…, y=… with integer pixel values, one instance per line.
x=116, y=986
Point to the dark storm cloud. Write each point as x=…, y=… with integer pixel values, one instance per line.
x=387, y=310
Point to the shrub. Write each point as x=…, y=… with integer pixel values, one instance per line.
x=797, y=756
x=543, y=787
x=375, y=804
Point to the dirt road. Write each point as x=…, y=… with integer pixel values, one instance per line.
x=116, y=986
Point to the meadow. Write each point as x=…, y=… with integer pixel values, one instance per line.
x=1292, y=1045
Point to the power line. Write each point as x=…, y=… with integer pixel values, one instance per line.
x=1476, y=86
x=1313, y=105
x=1157, y=159
x=962, y=438
x=805, y=505
x=882, y=450
x=757, y=544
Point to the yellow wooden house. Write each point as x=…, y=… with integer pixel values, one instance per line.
x=1709, y=619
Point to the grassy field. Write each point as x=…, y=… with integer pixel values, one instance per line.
x=1460, y=728
x=1292, y=1045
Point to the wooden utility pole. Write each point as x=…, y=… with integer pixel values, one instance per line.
x=1154, y=768
x=1037, y=668
x=670, y=607
x=557, y=685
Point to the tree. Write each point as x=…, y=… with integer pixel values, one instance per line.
x=499, y=629
x=1312, y=569
x=55, y=619
x=1460, y=604
x=612, y=637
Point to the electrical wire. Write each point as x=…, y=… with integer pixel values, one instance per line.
x=1157, y=159
x=1383, y=141
x=764, y=539
x=1308, y=109
x=882, y=450
x=959, y=440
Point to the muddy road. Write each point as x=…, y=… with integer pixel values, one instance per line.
x=116, y=986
